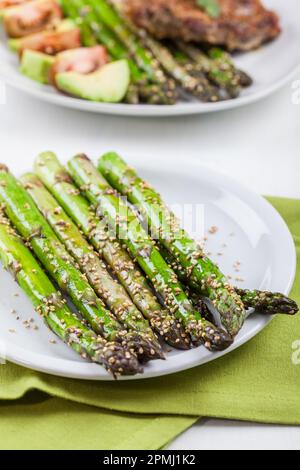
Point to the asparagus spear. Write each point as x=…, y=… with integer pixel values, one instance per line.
x=131, y=233
x=143, y=57
x=60, y=184
x=217, y=65
x=151, y=93
x=266, y=302
x=19, y=261
x=261, y=301
x=199, y=86
x=96, y=272
x=22, y=211
x=201, y=273
x=70, y=11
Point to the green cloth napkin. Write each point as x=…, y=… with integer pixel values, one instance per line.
x=258, y=382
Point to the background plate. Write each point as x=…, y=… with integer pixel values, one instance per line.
x=251, y=229
x=271, y=67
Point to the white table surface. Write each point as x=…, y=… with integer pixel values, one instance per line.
x=258, y=145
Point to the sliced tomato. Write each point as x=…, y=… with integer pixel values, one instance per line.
x=32, y=17
x=10, y=3
x=52, y=43
x=83, y=60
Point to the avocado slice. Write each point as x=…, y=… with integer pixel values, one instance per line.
x=108, y=84
x=36, y=66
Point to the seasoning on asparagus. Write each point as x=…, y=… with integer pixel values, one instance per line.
x=95, y=270
x=200, y=272
x=32, y=226
x=271, y=303
x=131, y=233
x=142, y=56
x=218, y=66
x=265, y=302
x=59, y=183
x=48, y=302
x=86, y=16
x=198, y=86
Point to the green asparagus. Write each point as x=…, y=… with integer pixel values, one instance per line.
x=70, y=11
x=59, y=183
x=261, y=301
x=86, y=17
x=96, y=272
x=29, y=222
x=217, y=66
x=47, y=301
x=270, y=303
x=143, y=57
x=199, y=86
x=131, y=233
x=200, y=272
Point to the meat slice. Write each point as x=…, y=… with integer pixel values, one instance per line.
x=241, y=24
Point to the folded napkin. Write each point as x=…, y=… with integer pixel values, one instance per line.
x=258, y=382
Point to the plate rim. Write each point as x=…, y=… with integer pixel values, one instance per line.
x=38, y=91
x=143, y=110
x=88, y=371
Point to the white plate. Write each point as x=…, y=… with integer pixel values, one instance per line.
x=252, y=230
x=272, y=66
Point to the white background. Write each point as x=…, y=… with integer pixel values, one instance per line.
x=258, y=145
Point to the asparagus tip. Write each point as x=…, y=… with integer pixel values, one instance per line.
x=213, y=338
x=146, y=348
x=117, y=360
x=172, y=332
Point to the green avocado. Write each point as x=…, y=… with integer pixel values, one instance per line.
x=36, y=65
x=108, y=85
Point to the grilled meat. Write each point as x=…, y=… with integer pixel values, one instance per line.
x=241, y=24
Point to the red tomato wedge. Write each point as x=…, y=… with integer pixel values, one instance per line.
x=31, y=17
x=52, y=43
x=10, y=3
x=84, y=60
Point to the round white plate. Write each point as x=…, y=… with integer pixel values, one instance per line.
x=272, y=66
x=253, y=232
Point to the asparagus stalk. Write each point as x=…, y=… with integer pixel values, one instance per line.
x=96, y=272
x=47, y=301
x=87, y=37
x=224, y=60
x=29, y=222
x=217, y=66
x=55, y=178
x=199, y=86
x=86, y=16
x=201, y=273
x=131, y=233
x=271, y=303
x=264, y=302
x=143, y=57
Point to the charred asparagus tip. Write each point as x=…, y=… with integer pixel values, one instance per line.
x=145, y=348
x=217, y=339
x=213, y=338
x=117, y=360
x=172, y=333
